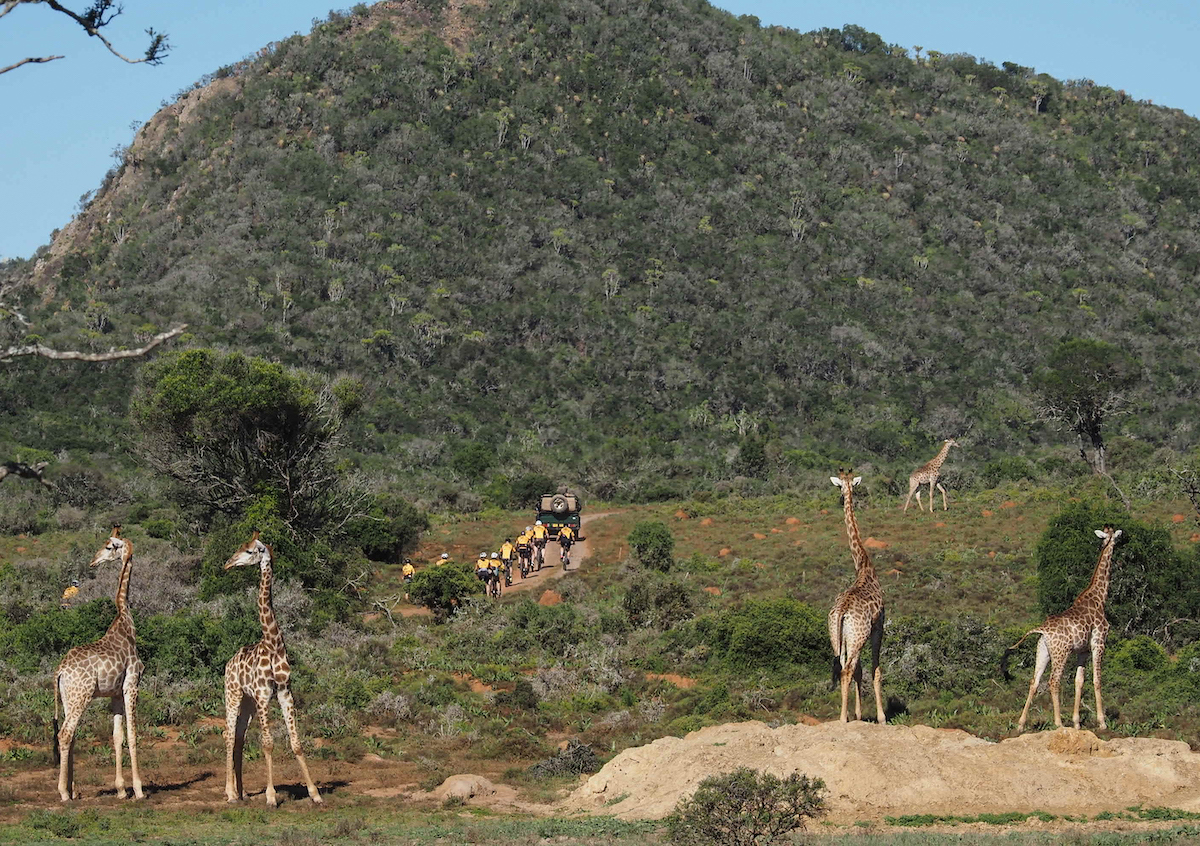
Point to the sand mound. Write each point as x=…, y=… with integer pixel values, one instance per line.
x=875, y=771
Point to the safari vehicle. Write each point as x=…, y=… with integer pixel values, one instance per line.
x=560, y=509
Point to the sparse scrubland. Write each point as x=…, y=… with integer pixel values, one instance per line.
x=438, y=258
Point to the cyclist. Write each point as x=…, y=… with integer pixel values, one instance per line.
x=494, y=574
x=481, y=568
x=445, y=559
x=508, y=551
x=540, y=535
x=407, y=571
x=566, y=537
x=525, y=550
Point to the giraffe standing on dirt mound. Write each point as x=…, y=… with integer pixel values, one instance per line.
x=1072, y=633
x=109, y=668
x=927, y=474
x=857, y=614
x=252, y=677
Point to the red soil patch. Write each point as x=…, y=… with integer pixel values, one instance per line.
x=777, y=531
x=987, y=513
x=1194, y=538
x=792, y=521
x=939, y=525
x=872, y=543
x=992, y=554
x=1178, y=518
x=759, y=536
x=715, y=591
x=681, y=515
x=1009, y=504
x=475, y=684
x=550, y=597
x=724, y=551
x=707, y=521
x=681, y=682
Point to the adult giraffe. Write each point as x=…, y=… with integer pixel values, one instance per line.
x=109, y=668
x=927, y=474
x=857, y=614
x=1080, y=629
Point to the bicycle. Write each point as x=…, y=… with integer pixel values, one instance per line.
x=506, y=567
x=541, y=553
x=565, y=555
x=526, y=556
x=493, y=583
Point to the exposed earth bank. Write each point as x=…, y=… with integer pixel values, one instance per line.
x=873, y=771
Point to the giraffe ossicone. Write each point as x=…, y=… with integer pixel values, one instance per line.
x=255, y=675
x=110, y=669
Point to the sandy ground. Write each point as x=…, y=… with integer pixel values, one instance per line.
x=874, y=771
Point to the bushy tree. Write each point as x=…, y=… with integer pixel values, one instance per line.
x=1152, y=586
x=390, y=527
x=230, y=428
x=746, y=808
x=652, y=544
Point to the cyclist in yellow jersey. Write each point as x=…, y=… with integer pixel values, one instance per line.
x=525, y=550
x=540, y=535
x=566, y=537
x=508, y=551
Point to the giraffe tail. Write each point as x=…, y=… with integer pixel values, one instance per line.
x=55, y=755
x=1008, y=653
x=837, y=672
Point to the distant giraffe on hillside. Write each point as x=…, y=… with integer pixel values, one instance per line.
x=927, y=474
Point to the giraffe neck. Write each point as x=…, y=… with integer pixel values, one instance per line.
x=858, y=552
x=940, y=458
x=122, y=599
x=272, y=637
x=1098, y=587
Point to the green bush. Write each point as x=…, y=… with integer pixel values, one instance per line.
x=652, y=544
x=442, y=589
x=745, y=808
x=1006, y=469
x=768, y=635
x=658, y=602
x=914, y=651
x=390, y=527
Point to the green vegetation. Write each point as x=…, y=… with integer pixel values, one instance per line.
x=745, y=807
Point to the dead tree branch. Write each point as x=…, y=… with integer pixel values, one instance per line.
x=76, y=355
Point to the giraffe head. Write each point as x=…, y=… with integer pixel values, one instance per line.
x=1108, y=533
x=253, y=553
x=845, y=480
x=116, y=548
x=950, y=442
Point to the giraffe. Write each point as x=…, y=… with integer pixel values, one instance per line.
x=109, y=668
x=252, y=676
x=857, y=614
x=927, y=473
x=1072, y=633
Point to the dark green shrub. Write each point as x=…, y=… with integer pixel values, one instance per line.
x=745, y=808
x=390, y=527
x=442, y=589
x=652, y=544
x=50, y=634
x=473, y=460
x=658, y=602
x=1006, y=469
x=1138, y=655
x=522, y=697
x=159, y=528
x=1152, y=584
x=769, y=635
x=576, y=759
x=915, y=650
x=552, y=628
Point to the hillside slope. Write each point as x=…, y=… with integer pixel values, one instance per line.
x=637, y=244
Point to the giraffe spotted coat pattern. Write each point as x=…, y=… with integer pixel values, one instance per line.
x=109, y=668
x=857, y=614
x=252, y=677
x=1077, y=632
x=927, y=474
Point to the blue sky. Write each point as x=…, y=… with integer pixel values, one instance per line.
x=62, y=120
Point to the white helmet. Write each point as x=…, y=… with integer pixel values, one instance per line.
x=495, y=554
x=529, y=528
x=445, y=555
x=483, y=555
x=538, y=523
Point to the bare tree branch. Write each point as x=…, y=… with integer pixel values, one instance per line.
x=25, y=471
x=100, y=14
x=75, y=355
x=16, y=65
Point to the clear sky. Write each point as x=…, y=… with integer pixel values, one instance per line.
x=62, y=120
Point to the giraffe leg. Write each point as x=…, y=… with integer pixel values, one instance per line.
x=858, y=674
x=287, y=706
x=911, y=488
x=932, y=502
x=118, y=740
x=1043, y=659
x=131, y=693
x=1057, y=666
x=877, y=672
x=74, y=704
x=920, y=507
x=943, y=490
x=238, y=710
x=1097, y=657
x=1078, y=692
x=262, y=703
